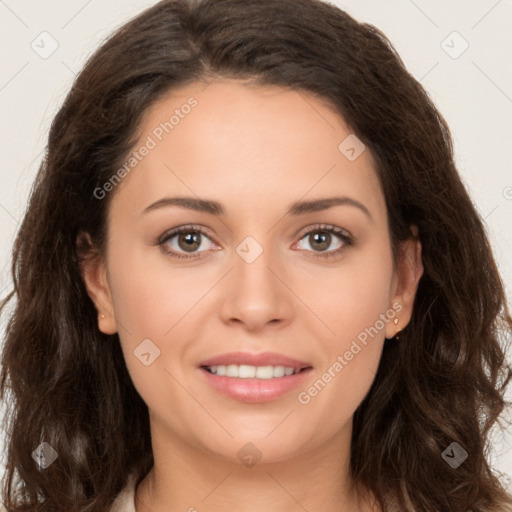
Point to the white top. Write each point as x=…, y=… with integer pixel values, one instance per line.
x=125, y=501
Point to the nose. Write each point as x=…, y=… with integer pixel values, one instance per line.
x=257, y=291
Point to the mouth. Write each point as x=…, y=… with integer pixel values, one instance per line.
x=254, y=378
x=245, y=371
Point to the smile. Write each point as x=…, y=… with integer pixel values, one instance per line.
x=245, y=371
x=241, y=386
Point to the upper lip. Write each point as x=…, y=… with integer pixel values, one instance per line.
x=261, y=359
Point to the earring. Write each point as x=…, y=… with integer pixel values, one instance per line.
x=395, y=321
x=102, y=316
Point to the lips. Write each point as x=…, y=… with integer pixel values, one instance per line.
x=255, y=390
x=261, y=359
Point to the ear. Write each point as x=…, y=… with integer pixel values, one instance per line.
x=405, y=282
x=94, y=274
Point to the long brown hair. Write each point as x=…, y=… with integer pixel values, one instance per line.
x=67, y=384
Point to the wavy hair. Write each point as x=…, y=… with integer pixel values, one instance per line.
x=66, y=383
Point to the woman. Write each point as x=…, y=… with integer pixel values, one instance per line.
x=250, y=278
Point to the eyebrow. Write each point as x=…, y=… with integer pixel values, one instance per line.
x=297, y=208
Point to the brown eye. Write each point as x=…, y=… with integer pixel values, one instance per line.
x=189, y=241
x=182, y=241
x=320, y=239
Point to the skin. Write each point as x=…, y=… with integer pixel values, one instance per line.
x=256, y=150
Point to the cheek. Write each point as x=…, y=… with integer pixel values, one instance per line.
x=150, y=295
x=355, y=306
x=352, y=298
x=153, y=300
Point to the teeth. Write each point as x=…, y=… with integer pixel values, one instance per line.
x=245, y=371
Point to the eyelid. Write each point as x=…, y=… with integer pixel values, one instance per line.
x=324, y=227
x=175, y=231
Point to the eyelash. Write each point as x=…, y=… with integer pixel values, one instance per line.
x=325, y=228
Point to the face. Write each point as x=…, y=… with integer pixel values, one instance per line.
x=314, y=285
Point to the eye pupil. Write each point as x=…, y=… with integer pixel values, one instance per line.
x=190, y=239
x=326, y=239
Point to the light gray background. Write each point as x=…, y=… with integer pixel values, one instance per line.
x=472, y=90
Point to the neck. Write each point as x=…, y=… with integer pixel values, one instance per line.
x=190, y=479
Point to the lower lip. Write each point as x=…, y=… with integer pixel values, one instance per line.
x=255, y=391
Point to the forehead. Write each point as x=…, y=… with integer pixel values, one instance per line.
x=247, y=145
